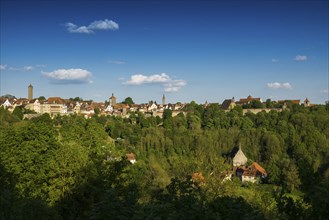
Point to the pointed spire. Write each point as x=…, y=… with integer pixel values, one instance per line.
x=239, y=159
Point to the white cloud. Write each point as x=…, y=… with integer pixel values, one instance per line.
x=104, y=25
x=169, y=84
x=300, y=58
x=324, y=91
x=22, y=69
x=286, y=85
x=3, y=66
x=72, y=28
x=142, y=79
x=174, y=86
x=274, y=85
x=275, y=60
x=277, y=85
x=119, y=62
x=69, y=76
x=92, y=27
x=28, y=68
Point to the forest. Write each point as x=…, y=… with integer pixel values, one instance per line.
x=69, y=167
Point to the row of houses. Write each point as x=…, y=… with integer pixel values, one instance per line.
x=229, y=104
x=57, y=105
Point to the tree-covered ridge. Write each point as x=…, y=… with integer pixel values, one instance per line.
x=72, y=167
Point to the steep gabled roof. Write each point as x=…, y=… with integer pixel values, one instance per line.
x=226, y=104
x=239, y=158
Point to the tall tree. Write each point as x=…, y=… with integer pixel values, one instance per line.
x=128, y=101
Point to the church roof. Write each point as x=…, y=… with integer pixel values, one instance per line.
x=240, y=158
x=226, y=104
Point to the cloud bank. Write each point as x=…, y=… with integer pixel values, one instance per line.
x=92, y=27
x=22, y=69
x=169, y=84
x=300, y=58
x=69, y=76
x=3, y=67
x=277, y=85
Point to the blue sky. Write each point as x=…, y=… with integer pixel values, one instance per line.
x=187, y=50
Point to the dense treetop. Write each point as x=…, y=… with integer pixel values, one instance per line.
x=69, y=167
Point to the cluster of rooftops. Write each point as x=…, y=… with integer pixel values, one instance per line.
x=58, y=105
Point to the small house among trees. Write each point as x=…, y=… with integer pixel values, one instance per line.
x=131, y=157
x=246, y=173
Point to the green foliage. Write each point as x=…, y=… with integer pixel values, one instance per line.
x=18, y=112
x=75, y=168
x=128, y=101
x=41, y=98
x=7, y=118
x=167, y=118
x=97, y=111
x=255, y=104
x=76, y=99
x=292, y=207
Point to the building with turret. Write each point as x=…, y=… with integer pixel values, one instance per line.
x=113, y=100
x=253, y=173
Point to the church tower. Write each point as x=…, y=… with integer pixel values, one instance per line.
x=163, y=99
x=113, y=100
x=30, y=92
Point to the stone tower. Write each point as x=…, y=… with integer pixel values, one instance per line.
x=30, y=92
x=113, y=100
x=163, y=99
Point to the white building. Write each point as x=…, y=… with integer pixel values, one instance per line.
x=6, y=104
x=109, y=108
x=34, y=106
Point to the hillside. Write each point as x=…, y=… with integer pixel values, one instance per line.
x=69, y=167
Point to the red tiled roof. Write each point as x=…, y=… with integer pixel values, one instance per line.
x=56, y=100
x=259, y=168
x=297, y=101
x=130, y=156
x=248, y=99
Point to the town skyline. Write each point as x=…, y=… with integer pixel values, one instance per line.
x=61, y=106
x=159, y=100
x=195, y=51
